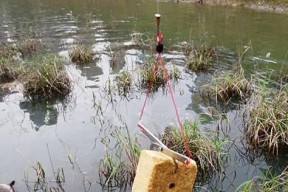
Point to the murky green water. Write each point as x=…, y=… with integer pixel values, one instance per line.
x=29, y=131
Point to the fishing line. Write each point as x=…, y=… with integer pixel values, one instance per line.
x=157, y=2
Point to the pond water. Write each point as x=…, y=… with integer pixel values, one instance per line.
x=78, y=127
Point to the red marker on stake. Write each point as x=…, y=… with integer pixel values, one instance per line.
x=159, y=45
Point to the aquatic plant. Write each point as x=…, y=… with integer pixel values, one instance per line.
x=229, y=85
x=266, y=183
x=27, y=47
x=267, y=125
x=119, y=169
x=11, y=63
x=201, y=54
x=40, y=182
x=154, y=73
x=200, y=57
x=208, y=152
x=112, y=170
x=8, y=52
x=9, y=69
x=81, y=54
x=124, y=82
x=46, y=77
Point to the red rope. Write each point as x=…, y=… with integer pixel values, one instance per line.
x=167, y=82
x=187, y=150
x=149, y=88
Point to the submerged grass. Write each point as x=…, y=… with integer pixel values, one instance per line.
x=81, y=54
x=208, y=152
x=40, y=182
x=227, y=86
x=46, y=77
x=119, y=169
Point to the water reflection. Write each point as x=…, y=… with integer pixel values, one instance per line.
x=91, y=71
x=43, y=112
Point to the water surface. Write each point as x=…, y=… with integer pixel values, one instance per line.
x=29, y=131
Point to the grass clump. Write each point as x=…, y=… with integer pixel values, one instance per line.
x=9, y=70
x=200, y=55
x=267, y=124
x=8, y=51
x=155, y=74
x=46, y=77
x=124, y=82
x=200, y=59
x=28, y=47
x=266, y=183
x=81, y=55
x=227, y=86
x=207, y=152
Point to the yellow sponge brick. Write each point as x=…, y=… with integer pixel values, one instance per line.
x=157, y=172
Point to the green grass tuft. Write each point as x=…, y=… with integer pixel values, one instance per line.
x=81, y=55
x=45, y=78
x=206, y=151
x=229, y=85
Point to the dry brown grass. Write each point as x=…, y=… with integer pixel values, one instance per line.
x=267, y=125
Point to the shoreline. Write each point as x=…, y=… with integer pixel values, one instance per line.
x=262, y=6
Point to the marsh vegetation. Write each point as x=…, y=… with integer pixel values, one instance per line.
x=80, y=54
x=104, y=78
x=46, y=78
x=208, y=150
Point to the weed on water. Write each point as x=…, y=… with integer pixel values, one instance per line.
x=266, y=183
x=155, y=74
x=9, y=70
x=124, y=82
x=208, y=151
x=201, y=54
x=229, y=86
x=117, y=168
x=46, y=77
x=267, y=121
x=40, y=182
x=81, y=54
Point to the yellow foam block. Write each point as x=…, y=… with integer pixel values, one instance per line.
x=157, y=172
